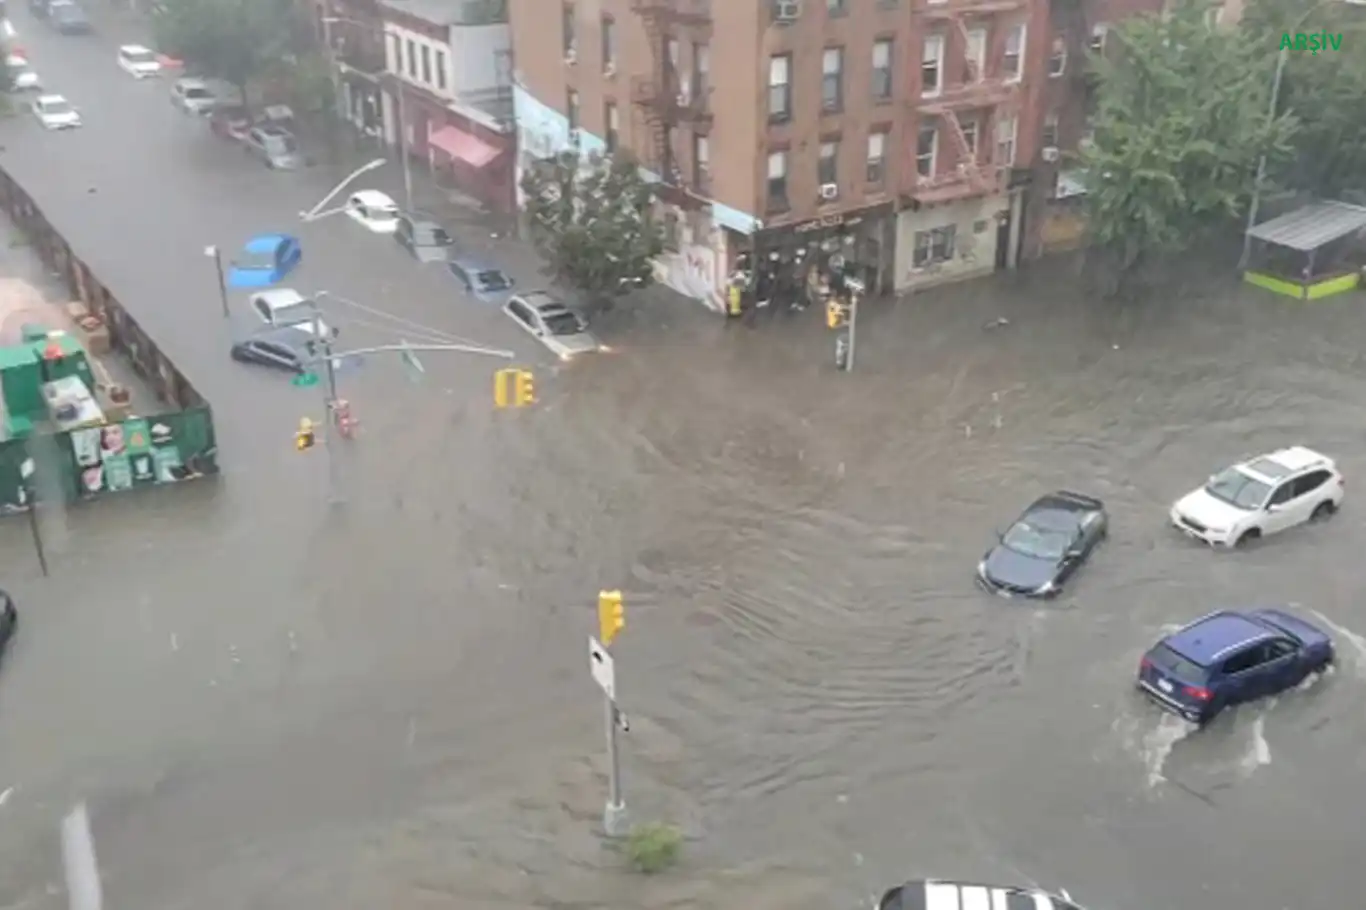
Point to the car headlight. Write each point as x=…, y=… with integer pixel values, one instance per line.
x=1047, y=587
x=982, y=567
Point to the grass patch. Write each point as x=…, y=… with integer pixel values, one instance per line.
x=654, y=847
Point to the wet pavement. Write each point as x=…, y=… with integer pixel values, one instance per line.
x=270, y=703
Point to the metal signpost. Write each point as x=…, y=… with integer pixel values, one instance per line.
x=615, y=819
x=216, y=255
x=27, y=497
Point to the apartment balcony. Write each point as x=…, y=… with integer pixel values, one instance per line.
x=966, y=9
x=683, y=105
x=967, y=96
x=966, y=181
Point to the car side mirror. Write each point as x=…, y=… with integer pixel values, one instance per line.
x=1073, y=553
x=1273, y=507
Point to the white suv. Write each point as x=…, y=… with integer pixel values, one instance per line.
x=1260, y=497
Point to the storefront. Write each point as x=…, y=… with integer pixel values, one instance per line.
x=864, y=238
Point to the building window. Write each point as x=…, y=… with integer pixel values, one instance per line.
x=1098, y=33
x=612, y=121
x=609, y=45
x=571, y=115
x=426, y=64
x=1057, y=60
x=701, y=162
x=571, y=37
x=882, y=69
x=877, y=157
x=926, y=145
x=972, y=130
x=832, y=79
x=828, y=165
x=395, y=54
x=701, y=72
x=1012, y=63
x=934, y=246
x=1050, y=131
x=412, y=59
x=777, y=181
x=835, y=8
x=1005, y=142
x=780, y=87
x=932, y=65
x=975, y=54
x=441, y=70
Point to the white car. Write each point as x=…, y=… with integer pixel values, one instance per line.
x=932, y=894
x=279, y=307
x=1260, y=497
x=56, y=113
x=193, y=96
x=22, y=75
x=557, y=327
x=138, y=61
x=374, y=210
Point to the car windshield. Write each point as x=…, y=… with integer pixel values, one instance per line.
x=1175, y=664
x=1040, y=543
x=140, y=57
x=382, y=212
x=294, y=314
x=433, y=236
x=1238, y=490
x=257, y=259
x=493, y=281
x=563, y=323
x=56, y=107
x=199, y=94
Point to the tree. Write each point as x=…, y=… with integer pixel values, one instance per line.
x=1181, y=121
x=1326, y=92
x=233, y=40
x=593, y=220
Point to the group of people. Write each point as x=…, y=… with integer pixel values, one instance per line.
x=794, y=284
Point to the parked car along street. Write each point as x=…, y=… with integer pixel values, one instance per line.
x=55, y=113
x=193, y=96
x=932, y=894
x=426, y=239
x=22, y=74
x=68, y=18
x=373, y=211
x=230, y=121
x=266, y=259
x=563, y=331
x=1231, y=657
x=281, y=307
x=138, y=61
x=283, y=348
x=1045, y=546
x=480, y=279
x=275, y=146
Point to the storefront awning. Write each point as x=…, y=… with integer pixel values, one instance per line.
x=463, y=146
x=1312, y=226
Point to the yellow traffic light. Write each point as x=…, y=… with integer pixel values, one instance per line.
x=305, y=437
x=526, y=388
x=611, y=616
x=834, y=314
x=501, y=380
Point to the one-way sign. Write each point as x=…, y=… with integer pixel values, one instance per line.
x=600, y=664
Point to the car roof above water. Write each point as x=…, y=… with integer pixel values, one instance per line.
x=1204, y=640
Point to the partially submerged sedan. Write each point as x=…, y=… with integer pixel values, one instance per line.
x=1043, y=548
x=932, y=894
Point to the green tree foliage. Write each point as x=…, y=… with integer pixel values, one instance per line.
x=1181, y=120
x=234, y=40
x=593, y=221
x=1325, y=92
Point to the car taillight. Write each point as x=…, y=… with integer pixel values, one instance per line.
x=1144, y=664
x=1199, y=693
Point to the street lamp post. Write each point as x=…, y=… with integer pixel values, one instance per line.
x=217, y=256
x=316, y=212
x=1281, y=59
x=401, y=113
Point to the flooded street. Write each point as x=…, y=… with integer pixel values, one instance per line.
x=269, y=703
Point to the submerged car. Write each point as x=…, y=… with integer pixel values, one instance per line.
x=68, y=18
x=281, y=307
x=193, y=96
x=230, y=121
x=933, y=894
x=55, y=113
x=484, y=281
x=21, y=74
x=265, y=260
x=1044, y=546
x=287, y=348
x=1261, y=497
x=557, y=327
x=138, y=61
x=373, y=210
x=1231, y=657
x=427, y=240
x=275, y=146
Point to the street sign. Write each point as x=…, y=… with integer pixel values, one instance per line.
x=600, y=664
x=415, y=367
x=305, y=380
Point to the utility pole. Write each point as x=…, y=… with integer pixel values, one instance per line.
x=855, y=288
x=403, y=147
x=329, y=406
x=216, y=255
x=28, y=497
x=611, y=620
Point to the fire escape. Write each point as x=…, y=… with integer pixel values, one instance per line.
x=666, y=101
x=968, y=87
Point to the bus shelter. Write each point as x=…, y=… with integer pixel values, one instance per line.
x=1315, y=251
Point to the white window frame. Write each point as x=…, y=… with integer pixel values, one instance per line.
x=777, y=170
x=972, y=136
x=570, y=26
x=1099, y=33
x=932, y=53
x=1057, y=58
x=832, y=67
x=933, y=246
x=1050, y=125
x=882, y=63
x=877, y=157
x=1005, y=141
x=975, y=52
x=1018, y=35
x=701, y=158
x=832, y=146
x=932, y=158
x=608, y=28
x=780, y=85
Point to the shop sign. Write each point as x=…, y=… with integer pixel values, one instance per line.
x=851, y=219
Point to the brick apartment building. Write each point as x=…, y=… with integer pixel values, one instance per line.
x=910, y=132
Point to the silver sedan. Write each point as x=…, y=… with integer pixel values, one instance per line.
x=553, y=323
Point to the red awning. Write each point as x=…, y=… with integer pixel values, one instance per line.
x=463, y=146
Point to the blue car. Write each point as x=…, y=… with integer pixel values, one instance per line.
x=484, y=281
x=1231, y=657
x=267, y=259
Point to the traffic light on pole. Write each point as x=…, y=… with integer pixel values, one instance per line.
x=526, y=388
x=501, y=380
x=305, y=437
x=835, y=314
x=611, y=616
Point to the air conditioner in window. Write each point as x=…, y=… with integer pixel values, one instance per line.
x=830, y=190
x=1050, y=153
x=787, y=10
x=609, y=70
x=571, y=56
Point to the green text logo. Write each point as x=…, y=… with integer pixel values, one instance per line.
x=1311, y=41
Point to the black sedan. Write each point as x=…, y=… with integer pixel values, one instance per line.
x=9, y=620
x=286, y=348
x=1040, y=551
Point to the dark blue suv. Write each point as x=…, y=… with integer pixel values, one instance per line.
x=1231, y=657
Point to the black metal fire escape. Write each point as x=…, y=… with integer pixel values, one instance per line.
x=665, y=101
